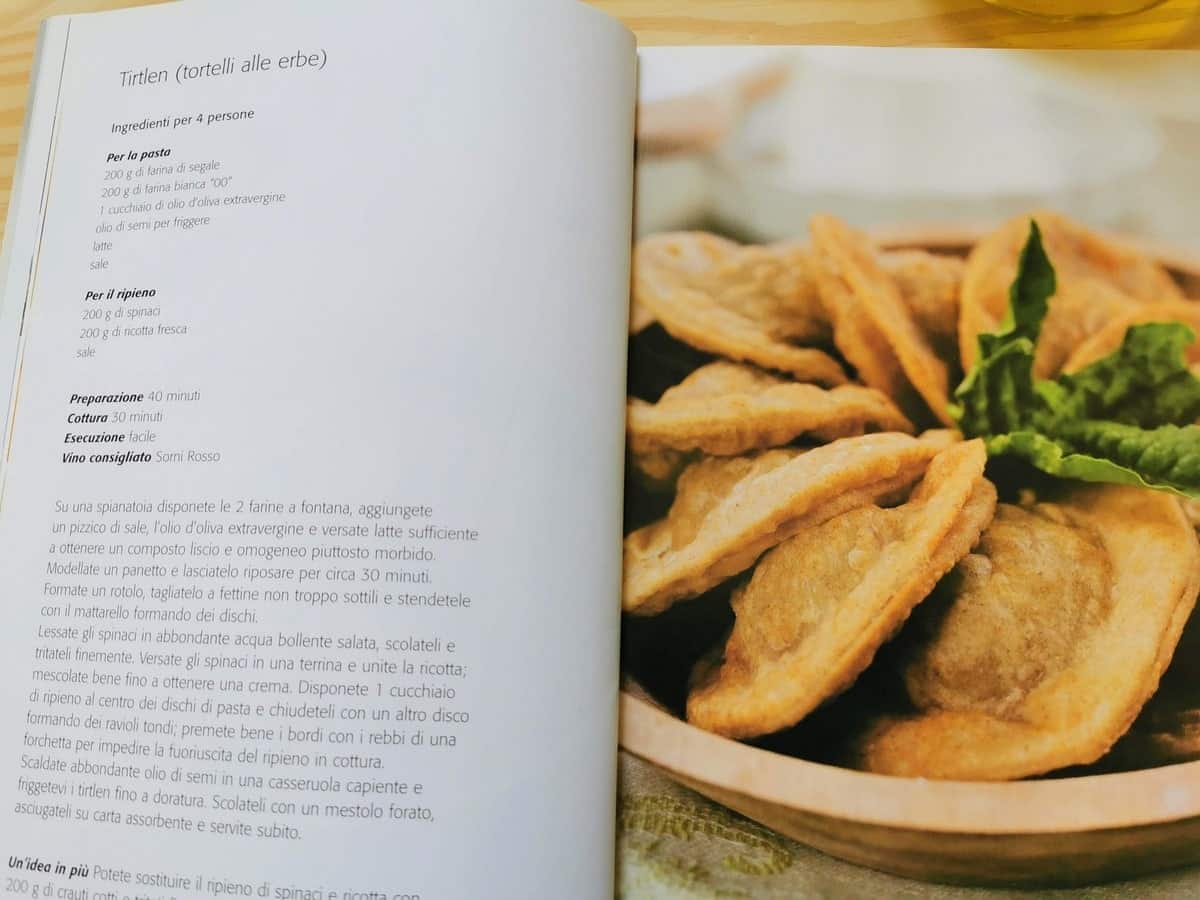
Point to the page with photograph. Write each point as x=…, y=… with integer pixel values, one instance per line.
x=910, y=556
x=310, y=504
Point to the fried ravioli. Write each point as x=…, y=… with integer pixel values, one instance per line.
x=929, y=284
x=820, y=604
x=1042, y=646
x=750, y=304
x=724, y=409
x=727, y=512
x=1098, y=279
x=872, y=326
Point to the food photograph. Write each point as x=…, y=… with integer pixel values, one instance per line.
x=913, y=476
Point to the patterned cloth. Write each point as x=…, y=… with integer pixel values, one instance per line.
x=673, y=844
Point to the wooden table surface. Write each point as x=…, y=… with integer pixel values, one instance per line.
x=1174, y=24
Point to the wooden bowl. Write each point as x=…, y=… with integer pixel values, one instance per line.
x=1054, y=831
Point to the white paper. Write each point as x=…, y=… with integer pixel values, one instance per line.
x=401, y=282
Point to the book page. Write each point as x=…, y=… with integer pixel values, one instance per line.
x=311, y=498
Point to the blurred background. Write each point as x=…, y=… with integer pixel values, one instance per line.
x=751, y=141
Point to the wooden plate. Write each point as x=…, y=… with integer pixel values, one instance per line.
x=1055, y=831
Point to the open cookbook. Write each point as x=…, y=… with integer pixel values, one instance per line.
x=400, y=416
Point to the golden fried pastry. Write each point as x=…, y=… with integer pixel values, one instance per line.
x=727, y=512
x=1078, y=309
x=1036, y=581
x=1098, y=279
x=821, y=603
x=872, y=326
x=1042, y=646
x=1108, y=338
x=751, y=304
x=929, y=284
x=726, y=408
